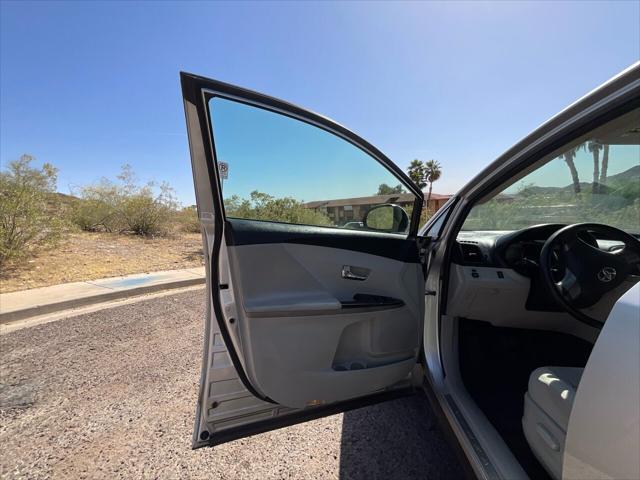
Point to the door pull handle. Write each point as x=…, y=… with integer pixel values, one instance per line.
x=354, y=273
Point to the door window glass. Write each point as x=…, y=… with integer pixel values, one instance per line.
x=281, y=169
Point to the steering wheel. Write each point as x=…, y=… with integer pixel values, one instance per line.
x=587, y=272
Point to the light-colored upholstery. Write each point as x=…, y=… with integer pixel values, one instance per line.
x=547, y=406
x=553, y=389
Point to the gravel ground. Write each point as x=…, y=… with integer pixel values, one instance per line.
x=111, y=394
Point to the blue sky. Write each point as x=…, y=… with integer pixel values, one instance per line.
x=91, y=86
x=293, y=158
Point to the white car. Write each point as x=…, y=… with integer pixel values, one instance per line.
x=516, y=308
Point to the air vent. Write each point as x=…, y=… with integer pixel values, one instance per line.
x=470, y=253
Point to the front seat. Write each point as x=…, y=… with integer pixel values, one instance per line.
x=547, y=405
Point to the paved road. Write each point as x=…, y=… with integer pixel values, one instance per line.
x=111, y=394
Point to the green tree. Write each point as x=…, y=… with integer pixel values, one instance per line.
x=385, y=189
x=28, y=220
x=432, y=173
x=262, y=206
x=416, y=173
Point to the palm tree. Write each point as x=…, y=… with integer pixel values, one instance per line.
x=416, y=173
x=568, y=156
x=605, y=166
x=432, y=172
x=595, y=147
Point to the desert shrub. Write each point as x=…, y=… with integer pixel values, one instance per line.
x=98, y=208
x=28, y=220
x=147, y=213
x=125, y=206
x=187, y=220
x=262, y=206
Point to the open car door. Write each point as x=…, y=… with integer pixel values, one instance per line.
x=315, y=290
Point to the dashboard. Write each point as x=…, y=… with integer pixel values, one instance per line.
x=495, y=277
x=518, y=250
x=510, y=254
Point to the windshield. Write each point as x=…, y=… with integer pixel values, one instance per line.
x=596, y=179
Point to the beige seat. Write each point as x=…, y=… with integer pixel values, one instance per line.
x=547, y=405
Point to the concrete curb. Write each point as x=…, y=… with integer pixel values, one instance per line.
x=97, y=295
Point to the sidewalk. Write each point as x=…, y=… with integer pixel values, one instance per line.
x=38, y=301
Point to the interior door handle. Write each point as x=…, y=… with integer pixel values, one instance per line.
x=354, y=273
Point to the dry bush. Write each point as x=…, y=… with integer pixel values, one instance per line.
x=125, y=206
x=187, y=220
x=27, y=218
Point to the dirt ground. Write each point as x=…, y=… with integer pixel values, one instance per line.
x=89, y=256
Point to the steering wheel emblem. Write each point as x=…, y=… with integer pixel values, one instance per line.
x=606, y=274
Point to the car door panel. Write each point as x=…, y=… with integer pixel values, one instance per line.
x=323, y=351
x=302, y=320
x=290, y=381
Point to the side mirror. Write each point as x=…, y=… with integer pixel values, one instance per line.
x=387, y=218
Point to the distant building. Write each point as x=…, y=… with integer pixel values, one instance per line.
x=345, y=210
